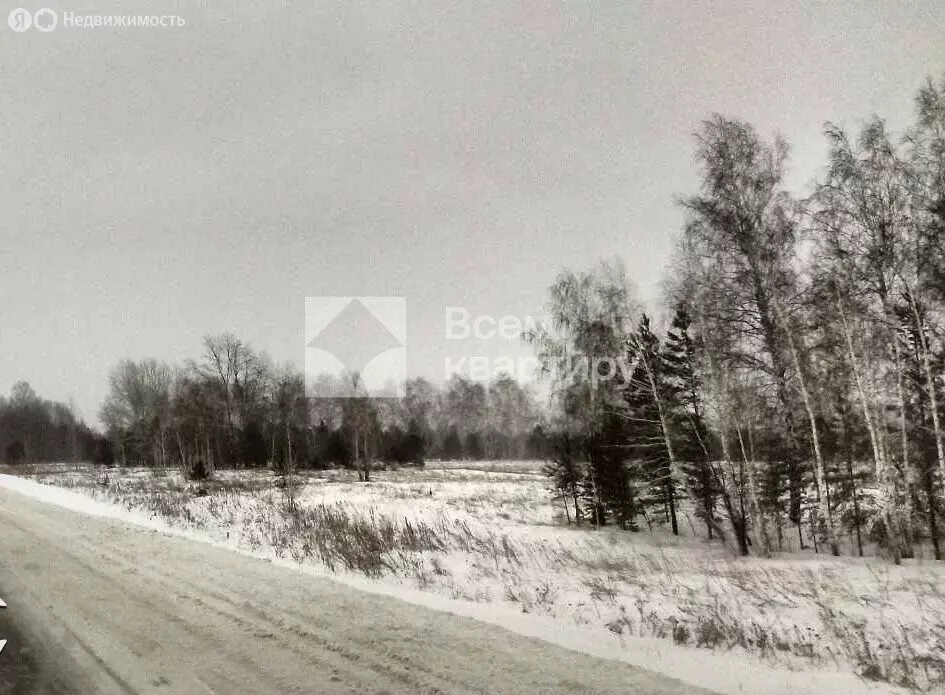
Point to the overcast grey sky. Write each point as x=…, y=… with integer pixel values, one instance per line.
x=161, y=184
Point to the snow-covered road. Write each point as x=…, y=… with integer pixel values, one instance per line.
x=137, y=611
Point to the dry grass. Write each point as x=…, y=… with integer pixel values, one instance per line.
x=486, y=534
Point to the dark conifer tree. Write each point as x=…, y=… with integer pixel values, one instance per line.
x=683, y=387
x=645, y=434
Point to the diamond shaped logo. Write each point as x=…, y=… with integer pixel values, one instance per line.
x=355, y=347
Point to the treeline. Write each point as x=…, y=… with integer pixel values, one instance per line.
x=797, y=396
x=235, y=408
x=33, y=429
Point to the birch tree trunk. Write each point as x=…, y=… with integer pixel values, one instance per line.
x=756, y=512
x=820, y=471
x=879, y=457
x=930, y=386
x=739, y=525
x=674, y=473
x=906, y=458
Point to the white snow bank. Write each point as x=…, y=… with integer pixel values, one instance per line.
x=730, y=674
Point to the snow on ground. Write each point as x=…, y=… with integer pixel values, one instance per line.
x=484, y=541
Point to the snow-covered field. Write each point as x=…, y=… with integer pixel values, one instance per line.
x=487, y=534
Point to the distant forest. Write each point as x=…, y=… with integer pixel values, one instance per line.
x=235, y=408
x=33, y=429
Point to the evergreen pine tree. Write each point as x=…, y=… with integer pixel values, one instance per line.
x=645, y=433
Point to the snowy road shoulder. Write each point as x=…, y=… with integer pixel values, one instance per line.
x=721, y=672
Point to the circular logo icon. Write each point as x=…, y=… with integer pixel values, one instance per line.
x=45, y=19
x=20, y=20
